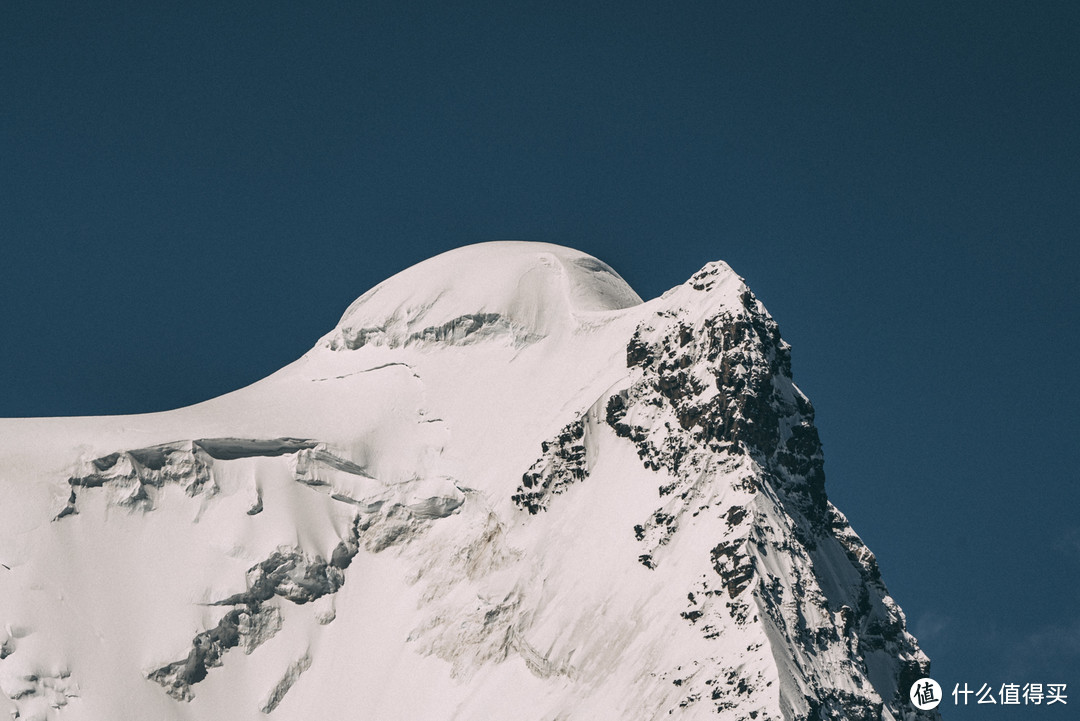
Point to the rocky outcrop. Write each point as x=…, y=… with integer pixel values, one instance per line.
x=562, y=464
x=711, y=398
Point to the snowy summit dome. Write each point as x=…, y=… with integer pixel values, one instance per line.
x=511, y=289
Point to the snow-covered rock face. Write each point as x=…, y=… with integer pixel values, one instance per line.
x=502, y=487
x=514, y=291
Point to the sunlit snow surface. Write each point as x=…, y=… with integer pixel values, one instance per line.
x=501, y=488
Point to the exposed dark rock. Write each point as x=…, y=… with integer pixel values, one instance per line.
x=735, y=568
x=735, y=515
x=562, y=464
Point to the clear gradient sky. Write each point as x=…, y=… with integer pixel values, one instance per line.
x=192, y=193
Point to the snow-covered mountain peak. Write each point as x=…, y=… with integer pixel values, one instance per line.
x=715, y=273
x=502, y=487
x=513, y=290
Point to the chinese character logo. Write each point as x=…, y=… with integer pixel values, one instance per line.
x=925, y=694
x=1009, y=694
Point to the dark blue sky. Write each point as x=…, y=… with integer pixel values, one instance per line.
x=190, y=196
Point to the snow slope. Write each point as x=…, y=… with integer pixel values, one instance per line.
x=501, y=488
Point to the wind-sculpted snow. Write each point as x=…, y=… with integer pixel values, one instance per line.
x=385, y=516
x=464, y=329
x=291, y=676
x=502, y=487
x=513, y=292
x=134, y=477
